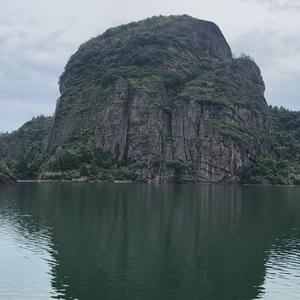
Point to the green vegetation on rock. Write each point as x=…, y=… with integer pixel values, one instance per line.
x=282, y=164
x=23, y=148
x=159, y=100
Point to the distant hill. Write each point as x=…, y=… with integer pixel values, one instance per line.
x=23, y=148
x=282, y=164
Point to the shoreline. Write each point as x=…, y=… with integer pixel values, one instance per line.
x=71, y=180
x=79, y=180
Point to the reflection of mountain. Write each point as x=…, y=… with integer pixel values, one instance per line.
x=157, y=242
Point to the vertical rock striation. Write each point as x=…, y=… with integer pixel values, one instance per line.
x=166, y=95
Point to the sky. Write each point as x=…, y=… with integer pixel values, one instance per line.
x=37, y=37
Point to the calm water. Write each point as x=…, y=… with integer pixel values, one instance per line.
x=126, y=241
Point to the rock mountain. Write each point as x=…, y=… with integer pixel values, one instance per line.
x=160, y=100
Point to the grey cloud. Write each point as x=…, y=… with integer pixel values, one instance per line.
x=279, y=5
x=278, y=56
x=15, y=112
x=30, y=64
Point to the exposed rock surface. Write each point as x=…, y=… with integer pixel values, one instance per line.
x=167, y=95
x=5, y=174
x=7, y=178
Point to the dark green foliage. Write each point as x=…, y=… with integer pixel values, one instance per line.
x=222, y=82
x=176, y=165
x=286, y=121
x=127, y=172
x=74, y=160
x=84, y=171
x=239, y=133
x=68, y=161
x=103, y=159
x=14, y=144
x=4, y=167
x=282, y=165
x=271, y=170
x=23, y=148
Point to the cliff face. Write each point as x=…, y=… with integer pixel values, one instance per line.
x=6, y=177
x=166, y=95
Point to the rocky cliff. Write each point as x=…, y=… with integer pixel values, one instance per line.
x=166, y=96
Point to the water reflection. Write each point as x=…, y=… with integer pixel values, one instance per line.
x=157, y=242
x=283, y=271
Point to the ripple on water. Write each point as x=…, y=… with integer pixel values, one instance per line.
x=282, y=279
x=22, y=257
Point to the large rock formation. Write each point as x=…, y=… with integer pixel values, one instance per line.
x=166, y=95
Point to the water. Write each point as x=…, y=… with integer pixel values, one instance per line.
x=126, y=241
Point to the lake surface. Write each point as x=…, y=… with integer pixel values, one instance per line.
x=130, y=241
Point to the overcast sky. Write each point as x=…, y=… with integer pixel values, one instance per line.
x=37, y=38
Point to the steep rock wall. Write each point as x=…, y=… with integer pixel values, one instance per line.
x=166, y=94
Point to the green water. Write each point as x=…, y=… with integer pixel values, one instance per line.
x=126, y=241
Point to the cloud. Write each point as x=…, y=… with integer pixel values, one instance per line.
x=278, y=62
x=31, y=61
x=277, y=54
x=15, y=112
x=279, y=4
